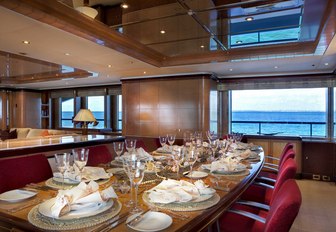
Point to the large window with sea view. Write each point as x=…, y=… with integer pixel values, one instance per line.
x=296, y=112
x=97, y=105
x=67, y=112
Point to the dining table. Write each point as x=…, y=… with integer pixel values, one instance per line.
x=15, y=215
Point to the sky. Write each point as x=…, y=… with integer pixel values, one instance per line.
x=280, y=100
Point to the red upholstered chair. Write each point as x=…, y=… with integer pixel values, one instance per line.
x=99, y=155
x=263, y=193
x=141, y=143
x=270, y=176
x=20, y=171
x=279, y=218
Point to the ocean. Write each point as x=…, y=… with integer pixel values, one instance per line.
x=302, y=123
x=288, y=123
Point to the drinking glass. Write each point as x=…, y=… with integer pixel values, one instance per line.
x=187, y=139
x=130, y=145
x=199, y=139
x=178, y=157
x=213, y=146
x=62, y=163
x=210, y=135
x=80, y=158
x=136, y=169
x=171, y=140
x=163, y=140
x=118, y=148
x=191, y=158
x=126, y=163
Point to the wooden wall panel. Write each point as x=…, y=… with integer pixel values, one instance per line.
x=165, y=105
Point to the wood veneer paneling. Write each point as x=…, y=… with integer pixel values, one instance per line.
x=166, y=105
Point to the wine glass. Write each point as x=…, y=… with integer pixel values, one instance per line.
x=199, y=139
x=163, y=140
x=171, y=140
x=62, y=163
x=118, y=148
x=126, y=162
x=80, y=158
x=191, y=158
x=187, y=139
x=136, y=169
x=130, y=145
x=178, y=157
x=213, y=146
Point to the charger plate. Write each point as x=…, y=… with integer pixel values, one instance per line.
x=185, y=206
x=47, y=223
x=52, y=183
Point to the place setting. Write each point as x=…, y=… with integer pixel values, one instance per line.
x=76, y=208
x=71, y=175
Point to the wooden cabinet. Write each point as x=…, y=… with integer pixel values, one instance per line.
x=273, y=146
x=318, y=159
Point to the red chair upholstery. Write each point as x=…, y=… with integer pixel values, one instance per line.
x=289, y=154
x=279, y=218
x=141, y=143
x=99, y=155
x=20, y=171
x=261, y=193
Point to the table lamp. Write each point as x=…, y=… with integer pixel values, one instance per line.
x=85, y=117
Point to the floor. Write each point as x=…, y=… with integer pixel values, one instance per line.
x=318, y=209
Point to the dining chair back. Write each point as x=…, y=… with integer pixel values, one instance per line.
x=99, y=155
x=19, y=171
x=284, y=208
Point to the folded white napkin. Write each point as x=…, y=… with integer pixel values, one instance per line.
x=227, y=164
x=140, y=153
x=169, y=191
x=79, y=197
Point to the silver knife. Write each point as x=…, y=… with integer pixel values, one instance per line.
x=137, y=219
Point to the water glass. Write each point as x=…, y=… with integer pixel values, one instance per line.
x=178, y=157
x=118, y=148
x=62, y=163
x=191, y=157
x=130, y=145
x=163, y=140
x=171, y=140
x=199, y=139
x=187, y=138
x=80, y=158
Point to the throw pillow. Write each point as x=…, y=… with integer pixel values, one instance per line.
x=5, y=134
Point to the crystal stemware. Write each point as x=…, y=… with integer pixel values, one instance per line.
x=80, y=158
x=187, y=138
x=130, y=145
x=163, y=140
x=191, y=157
x=171, y=140
x=126, y=165
x=178, y=157
x=213, y=146
x=62, y=163
x=118, y=148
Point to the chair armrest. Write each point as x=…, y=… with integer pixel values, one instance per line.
x=248, y=214
x=270, y=164
x=263, y=185
x=254, y=204
x=267, y=179
x=271, y=157
x=271, y=168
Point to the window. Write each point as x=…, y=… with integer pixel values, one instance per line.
x=119, y=127
x=213, y=111
x=97, y=105
x=334, y=92
x=67, y=112
x=300, y=112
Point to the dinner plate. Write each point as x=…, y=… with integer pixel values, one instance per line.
x=151, y=221
x=197, y=175
x=222, y=172
x=66, y=180
x=17, y=195
x=90, y=210
x=115, y=170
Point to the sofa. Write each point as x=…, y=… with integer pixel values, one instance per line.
x=30, y=133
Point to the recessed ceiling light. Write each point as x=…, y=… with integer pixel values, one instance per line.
x=326, y=64
x=230, y=69
x=124, y=5
x=249, y=19
x=67, y=54
x=276, y=67
x=162, y=31
x=144, y=72
x=109, y=66
x=202, y=46
x=25, y=42
x=239, y=42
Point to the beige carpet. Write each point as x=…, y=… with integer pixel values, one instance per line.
x=318, y=209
